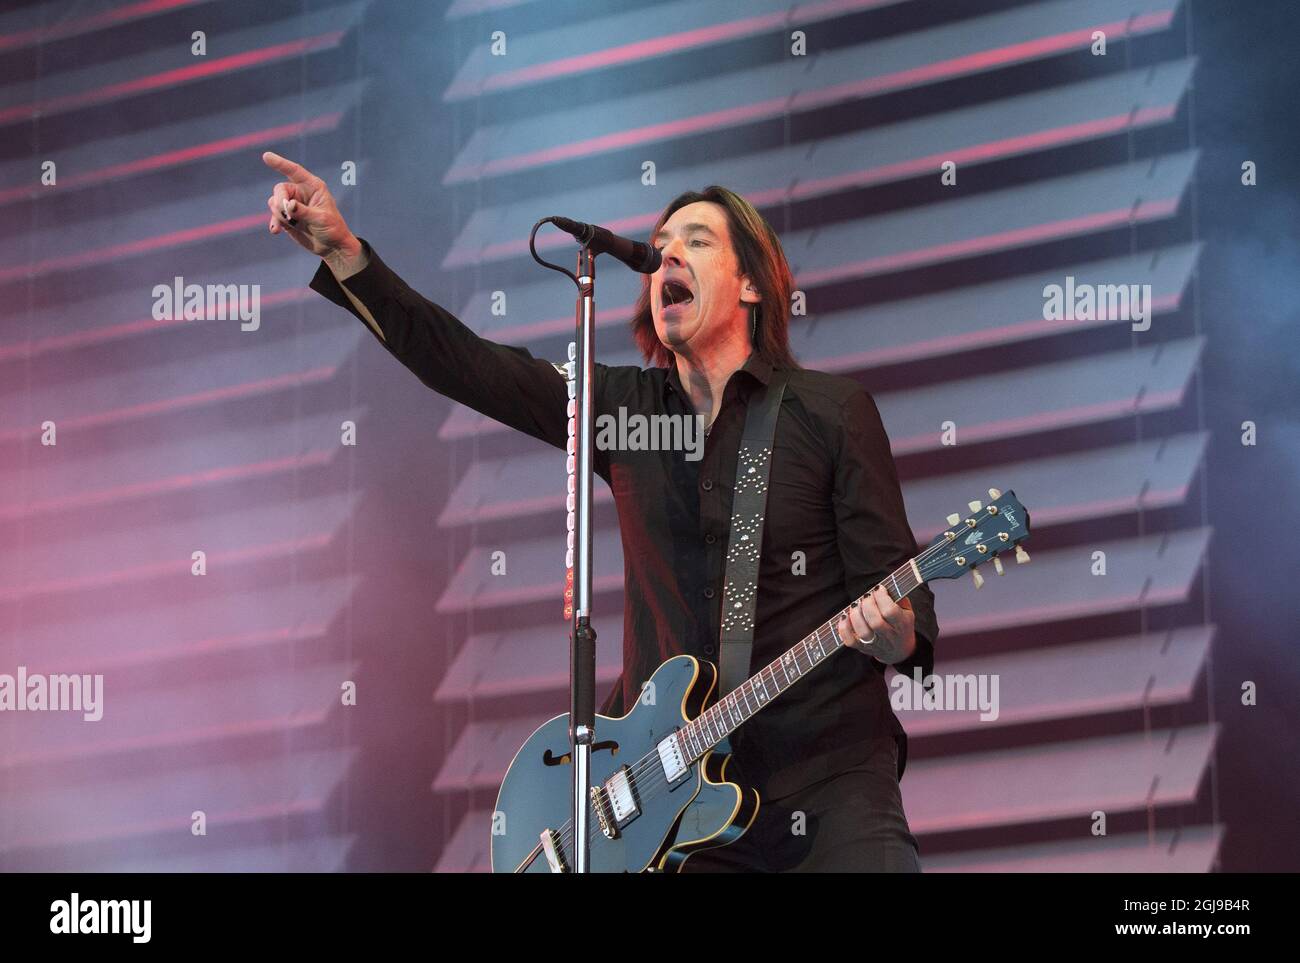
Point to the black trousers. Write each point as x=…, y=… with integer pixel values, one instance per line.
x=852, y=822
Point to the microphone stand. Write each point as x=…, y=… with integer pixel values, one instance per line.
x=581, y=375
x=582, y=649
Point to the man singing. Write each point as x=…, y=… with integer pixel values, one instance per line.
x=712, y=323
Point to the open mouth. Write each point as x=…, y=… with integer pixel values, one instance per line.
x=675, y=293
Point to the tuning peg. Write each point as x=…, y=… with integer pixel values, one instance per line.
x=954, y=518
x=1021, y=555
x=974, y=506
x=994, y=494
x=997, y=565
x=979, y=579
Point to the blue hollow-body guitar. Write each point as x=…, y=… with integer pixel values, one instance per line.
x=659, y=787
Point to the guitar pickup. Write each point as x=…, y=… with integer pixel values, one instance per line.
x=615, y=803
x=671, y=758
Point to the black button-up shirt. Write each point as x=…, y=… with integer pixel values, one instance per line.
x=834, y=525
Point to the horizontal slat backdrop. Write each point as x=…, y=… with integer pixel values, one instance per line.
x=1069, y=164
x=176, y=435
x=221, y=693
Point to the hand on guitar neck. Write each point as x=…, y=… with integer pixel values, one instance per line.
x=878, y=626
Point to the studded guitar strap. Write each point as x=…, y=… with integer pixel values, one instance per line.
x=740, y=592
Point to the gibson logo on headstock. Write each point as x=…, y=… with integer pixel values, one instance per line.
x=1010, y=515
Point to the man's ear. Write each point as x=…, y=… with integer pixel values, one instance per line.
x=748, y=292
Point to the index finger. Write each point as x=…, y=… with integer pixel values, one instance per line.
x=890, y=609
x=295, y=172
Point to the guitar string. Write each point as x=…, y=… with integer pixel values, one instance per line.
x=651, y=787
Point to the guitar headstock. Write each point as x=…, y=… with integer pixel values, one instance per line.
x=981, y=536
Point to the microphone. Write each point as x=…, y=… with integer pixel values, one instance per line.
x=637, y=255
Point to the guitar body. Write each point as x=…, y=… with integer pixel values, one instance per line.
x=698, y=810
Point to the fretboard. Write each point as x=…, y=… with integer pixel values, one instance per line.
x=739, y=705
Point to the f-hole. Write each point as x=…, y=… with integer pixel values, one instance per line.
x=551, y=759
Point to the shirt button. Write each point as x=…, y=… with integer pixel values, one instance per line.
x=708, y=593
x=707, y=484
x=710, y=538
x=708, y=650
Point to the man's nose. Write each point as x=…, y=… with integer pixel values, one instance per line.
x=672, y=252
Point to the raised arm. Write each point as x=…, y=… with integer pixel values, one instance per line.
x=502, y=382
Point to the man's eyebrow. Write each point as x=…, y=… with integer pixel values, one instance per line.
x=688, y=229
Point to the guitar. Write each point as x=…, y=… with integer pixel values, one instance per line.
x=671, y=797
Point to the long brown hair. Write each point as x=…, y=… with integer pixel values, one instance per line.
x=760, y=256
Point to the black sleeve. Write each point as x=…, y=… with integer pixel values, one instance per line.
x=874, y=536
x=504, y=383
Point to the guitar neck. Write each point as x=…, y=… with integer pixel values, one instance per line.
x=735, y=708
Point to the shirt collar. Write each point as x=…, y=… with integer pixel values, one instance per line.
x=755, y=366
